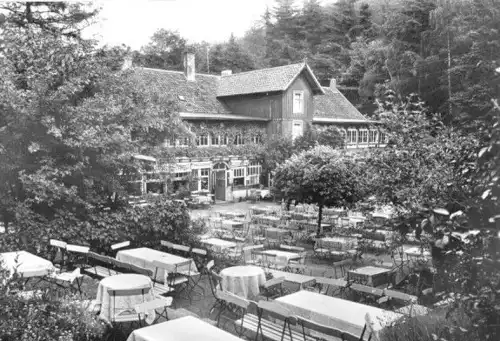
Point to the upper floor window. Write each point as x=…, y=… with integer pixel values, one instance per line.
x=298, y=102
x=352, y=136
x=218, y=140
x=363, y=136
x=202, y=140
x=238, y=139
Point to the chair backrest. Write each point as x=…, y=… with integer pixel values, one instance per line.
x=140, y=270
x=182, y=248
x=323, y=329
x=273, y=282
x=367, y=290
x=338, y=282
x=210, y=265
x=58, y=243
x=167, y=244
x=215, y=283
x=183, y=266
x=292, y=248
x=199, y=252
x=77, y=248
x=233, y=299
x=275, y=310
x=101, y=259
x=121, y=245
x=253, y=247
x=400, y=296
x=122, y=266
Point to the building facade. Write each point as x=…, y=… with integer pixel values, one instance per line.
x=236, y=113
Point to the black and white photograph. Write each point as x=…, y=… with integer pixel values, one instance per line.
x=261, y=170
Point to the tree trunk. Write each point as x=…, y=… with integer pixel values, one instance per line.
x=319, y=231
x=450, y=109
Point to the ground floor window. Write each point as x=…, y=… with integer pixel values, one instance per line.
x=363, y=136
x=352, y=136
x=372, y=137
x=253, y=173
x=155, y=187
x=204, y=176
x=239, y=177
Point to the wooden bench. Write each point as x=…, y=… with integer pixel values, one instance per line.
x=271, y=330
x=102, y=266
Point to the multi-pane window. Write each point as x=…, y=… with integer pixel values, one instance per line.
x=182, y=142
x=238, y=139
x=363, y=136
x=382, y=138
x=204, y=176
x=218, y=140
x=202, y=140
x=239, y=176
x=352, y=136
x=180, y=176
x=257, y=139
x=298, y=102
x=253, y=173
x=372, y=136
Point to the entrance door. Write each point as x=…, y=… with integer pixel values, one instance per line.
x=220, y=184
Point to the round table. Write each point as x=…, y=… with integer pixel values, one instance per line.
x=108, y=306
x=243, y=281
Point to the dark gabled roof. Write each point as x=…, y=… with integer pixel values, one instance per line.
x=194, y=97
x=265, y=80
x=333, y=106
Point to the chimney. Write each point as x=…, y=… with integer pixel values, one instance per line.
x=189, y=66
x=226, y=73
x=127, y=62
x=333, y=84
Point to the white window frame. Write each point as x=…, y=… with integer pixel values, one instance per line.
x=202, y=176
x=373, y=136
x=181, y=142
x=352, y=136
x=254, y=171
x=298, y=106
x=257, y=139
x=294, y=122
x=361, y=133
x=238, y=140
x=382, y=137
x=239, y=173
x=202, y=140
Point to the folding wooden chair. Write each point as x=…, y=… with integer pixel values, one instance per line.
x=168, y=245
x=120, y=246
x=216, y=288
x=68, y=280
x=271, y=330
x=77, y=255
x=131, y=316
x=173, y=278
x=238, y=306
x=154, y=310
x=273, y=288
x=331, y=283
x=181, y=250
x=60, y=249
x=308, y=325
x=100, y=266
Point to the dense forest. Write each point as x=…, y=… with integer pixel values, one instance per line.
x=443, y=50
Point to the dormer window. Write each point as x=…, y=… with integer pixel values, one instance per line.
x=298, y=102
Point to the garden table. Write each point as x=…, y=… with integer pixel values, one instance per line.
x=370, y=275
x=263, y=210
x=145, y=257
x=233, y=224
x=109, y=306
x=243, y=280
x=276, y=233
x=188, y=328
x=337, y=243
x=217, y=244
x=284, y=256
x=299, y=279
x=336, y=312
x=269, y=219
x=25, y=264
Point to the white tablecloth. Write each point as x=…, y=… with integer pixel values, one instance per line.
x=283, y=256
x=337, y=243
x=217, y=244
x=144, y=257
x=121, y=303
x=25, y=264
x=187, y=328
x=331, y=311
x=243, y=281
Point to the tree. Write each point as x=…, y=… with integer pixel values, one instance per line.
x=319, y=176
x=67, y=113
x=164, y=51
